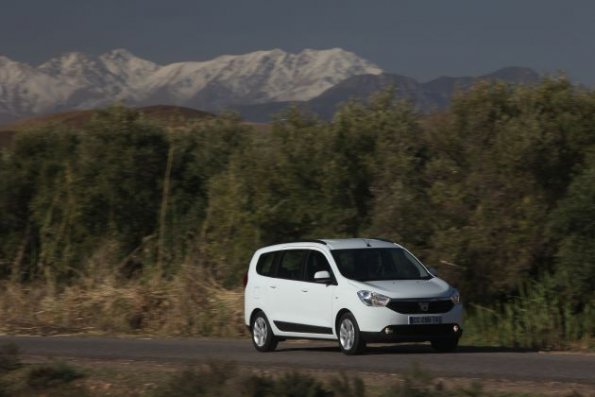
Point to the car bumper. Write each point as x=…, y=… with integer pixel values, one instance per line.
x=376, y=319
x=414, y=333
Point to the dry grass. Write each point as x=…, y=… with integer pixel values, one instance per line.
x=189, y=304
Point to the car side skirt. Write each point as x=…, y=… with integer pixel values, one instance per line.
x=302, y=328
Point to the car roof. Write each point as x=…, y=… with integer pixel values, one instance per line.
x=335, y=244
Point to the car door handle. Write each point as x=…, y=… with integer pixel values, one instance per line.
x=304, y=290
x=272, y=286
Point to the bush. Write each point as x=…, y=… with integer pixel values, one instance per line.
x=210, y=381
x=46, y=376
x=294, y=384
x=538, y=318
x=346, y=386
x=224, y=379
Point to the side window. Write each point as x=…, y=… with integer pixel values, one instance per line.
x=265, y=264
x=292, y=264
x=316, y=262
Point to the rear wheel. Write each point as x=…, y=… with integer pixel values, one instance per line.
x=262, y=335
x=350, y=338
x=445, y=345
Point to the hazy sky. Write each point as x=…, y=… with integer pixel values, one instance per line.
x=419, y=38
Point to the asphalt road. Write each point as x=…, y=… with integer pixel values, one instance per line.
x=468, y=362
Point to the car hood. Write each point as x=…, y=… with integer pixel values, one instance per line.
x=406, y=289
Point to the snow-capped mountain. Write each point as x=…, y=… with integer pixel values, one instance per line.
x=79, y=81
x=25, y=90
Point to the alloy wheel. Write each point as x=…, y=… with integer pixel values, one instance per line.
x=347, y=334
x=260, y=331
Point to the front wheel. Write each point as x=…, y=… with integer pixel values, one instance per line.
x=262, y=334
x=445, y=345
x=350, y=338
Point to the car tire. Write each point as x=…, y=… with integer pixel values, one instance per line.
x=445, y=345
x=262, y=335
x=350, y=338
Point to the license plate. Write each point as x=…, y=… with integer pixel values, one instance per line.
x=425, y=320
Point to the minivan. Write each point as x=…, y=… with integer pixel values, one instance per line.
x=356, y=291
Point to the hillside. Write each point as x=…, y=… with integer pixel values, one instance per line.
x=426, y=97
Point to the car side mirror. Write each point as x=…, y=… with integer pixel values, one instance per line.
x=322, y=276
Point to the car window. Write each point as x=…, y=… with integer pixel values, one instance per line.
x=265, y=264
x=316, y=262
x=404, y=265
x=379, y=264
x=292, y=264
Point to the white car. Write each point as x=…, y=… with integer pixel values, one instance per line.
x=351, y=290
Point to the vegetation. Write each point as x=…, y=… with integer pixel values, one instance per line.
x=126, y=225
x=46, y=376
x=51, y=379
x=224, y=379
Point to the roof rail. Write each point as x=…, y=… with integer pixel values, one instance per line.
x=311, y=241
x=382, y=239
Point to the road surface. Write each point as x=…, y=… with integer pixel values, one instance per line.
x=468, y=362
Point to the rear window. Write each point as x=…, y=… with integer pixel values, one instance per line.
x=265, y=264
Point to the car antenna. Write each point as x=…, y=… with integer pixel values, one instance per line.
x=367, y=243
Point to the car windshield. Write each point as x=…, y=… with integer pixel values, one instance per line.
x=367, y=264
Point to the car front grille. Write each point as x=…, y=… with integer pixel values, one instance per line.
x=417, y=307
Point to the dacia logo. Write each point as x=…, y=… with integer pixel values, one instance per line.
x=424, y=306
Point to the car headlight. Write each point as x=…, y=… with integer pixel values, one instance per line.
x=455, y=297
x=370, y=298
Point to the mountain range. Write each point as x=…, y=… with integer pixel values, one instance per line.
x=256, y=84
x=426, y=97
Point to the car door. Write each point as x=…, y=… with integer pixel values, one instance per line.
x=316, y=298
x=284, y=289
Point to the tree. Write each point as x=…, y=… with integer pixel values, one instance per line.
x=573, y=225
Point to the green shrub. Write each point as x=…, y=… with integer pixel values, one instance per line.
x=539, y=318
